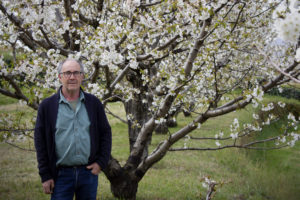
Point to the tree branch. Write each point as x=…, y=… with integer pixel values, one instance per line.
x=92, y=22
x=95, y=74
x=211, y=190
x=222, y=139
x=171, y=41
x=144, y=5
x=9, y=94
x=24, y=149
x=231, y=102
x=193, y=53
x=18, y=93
x=163, y=147
x=47, y=38
x=226, y=147
x=277, y=68
x=275, y=82
x=119, y=77
x=116, y=116
x=100, y=5
x=26, y=35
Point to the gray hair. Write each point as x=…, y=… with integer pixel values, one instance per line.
x=59, y=68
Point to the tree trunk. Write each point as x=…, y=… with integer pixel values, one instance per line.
x=124, y=179
x=123, y=187
x=137, y=111
x=123, y=182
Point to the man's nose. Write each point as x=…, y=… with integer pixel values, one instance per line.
x=72, y=76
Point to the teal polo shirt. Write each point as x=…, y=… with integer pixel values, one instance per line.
x=72, y=139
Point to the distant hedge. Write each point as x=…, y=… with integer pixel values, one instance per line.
x=286, y=92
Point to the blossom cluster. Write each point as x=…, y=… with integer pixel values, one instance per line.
x=287, y=23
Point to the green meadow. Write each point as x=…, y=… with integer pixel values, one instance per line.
x=241, y=174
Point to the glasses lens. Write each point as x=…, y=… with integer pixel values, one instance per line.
x=76, y=73
x=68, y=74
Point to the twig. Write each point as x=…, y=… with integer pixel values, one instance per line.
x=19, y=131
x=150, y=4
x=116, y=116
x=211, y=190
x=277, y=68
x=226, y=147
x=24, y=149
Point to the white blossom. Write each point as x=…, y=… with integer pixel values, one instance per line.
x=283, y=139
x=207, y=181
x=295, y=138
x=292, y=117
x=199, y=125
x=234, y=135
x=160, y=120
x=254, y=103
x=288, y=28
x=255, y=116
x=281, y=104
x=185, y=145
x=134, y=64
x=22, y=103
x=258, y=93
x=269, y=107
x=297, y=57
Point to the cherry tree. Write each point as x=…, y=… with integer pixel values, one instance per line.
x=157, y=57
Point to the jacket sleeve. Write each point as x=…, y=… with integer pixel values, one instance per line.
x=41, y=145
x=105, y=139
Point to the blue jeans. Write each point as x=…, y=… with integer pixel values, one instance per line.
x=76, y=180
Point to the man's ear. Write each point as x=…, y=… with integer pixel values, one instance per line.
x=59, y=77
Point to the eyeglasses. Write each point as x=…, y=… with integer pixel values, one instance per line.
x=68, y=74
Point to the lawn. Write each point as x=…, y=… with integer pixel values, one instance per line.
x=241, y=174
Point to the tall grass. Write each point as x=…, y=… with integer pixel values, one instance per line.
x=241, y=174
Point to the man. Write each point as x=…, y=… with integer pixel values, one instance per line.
x=72, y=138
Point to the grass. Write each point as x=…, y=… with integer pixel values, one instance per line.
x=5, y=100
x=252, y=175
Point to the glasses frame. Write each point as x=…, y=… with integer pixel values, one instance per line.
x=68, y=74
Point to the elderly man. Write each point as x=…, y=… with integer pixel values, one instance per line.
x=72, y=138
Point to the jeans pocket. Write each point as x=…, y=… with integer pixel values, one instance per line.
x=93, y=174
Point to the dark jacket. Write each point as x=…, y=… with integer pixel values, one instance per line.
x=44, y=134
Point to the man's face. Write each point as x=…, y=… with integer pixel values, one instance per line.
x=70, y=81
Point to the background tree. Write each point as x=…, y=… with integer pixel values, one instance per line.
x=208, y=58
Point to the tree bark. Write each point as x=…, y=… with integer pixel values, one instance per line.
x=136, y=109
x=124, y=188
x=123, y=182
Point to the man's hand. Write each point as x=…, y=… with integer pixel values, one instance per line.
x=48, y=186
x=96, y=169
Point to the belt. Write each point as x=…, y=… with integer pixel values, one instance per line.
x=72, y=166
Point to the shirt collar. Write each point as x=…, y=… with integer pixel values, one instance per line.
x=63, y=99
